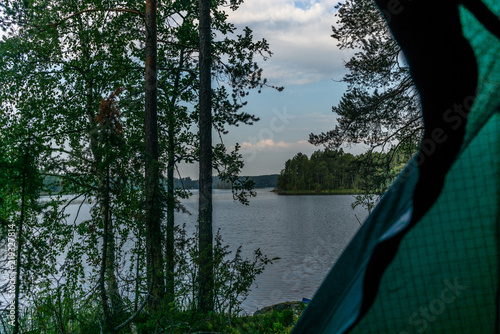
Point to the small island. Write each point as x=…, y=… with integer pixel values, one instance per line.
x=334, y=172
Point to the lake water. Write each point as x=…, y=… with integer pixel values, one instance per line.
x=307, y=233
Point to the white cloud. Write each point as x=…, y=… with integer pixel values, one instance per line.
x=269, y=145
x=317, y=117
x=299, y=37
x=280, y=10
x=269, y=156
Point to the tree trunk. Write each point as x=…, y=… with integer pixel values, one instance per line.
x=137, y=270
x=108, y=250
x=104, y=199
x=205, y=279
x=112, y=282
x=153, y=210
x=170, y=251
x=16, y=329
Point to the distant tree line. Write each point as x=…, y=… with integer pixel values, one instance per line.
x=52, y=184
x=261, y=181
x=265, y=181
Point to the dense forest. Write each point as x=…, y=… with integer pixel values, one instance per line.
x=261, y=181
x=324, y=170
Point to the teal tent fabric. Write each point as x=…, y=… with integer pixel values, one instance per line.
x=444, y=277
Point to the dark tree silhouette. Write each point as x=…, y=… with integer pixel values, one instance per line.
x=152, y=170
x=205, y=278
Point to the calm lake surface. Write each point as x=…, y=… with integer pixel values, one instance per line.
x=306, y=232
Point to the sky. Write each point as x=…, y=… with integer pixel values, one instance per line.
x=308, y=63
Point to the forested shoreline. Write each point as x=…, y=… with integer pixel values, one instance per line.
x=319, y=192
x=334, y=172
x=52, y=184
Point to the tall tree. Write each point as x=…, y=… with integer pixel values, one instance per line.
x=234, y=65
x=152, y=169
x=205, y=162
x=26, y=173
x=72, y=66
x=176, y=87
x=35, y=229
x=76, y=57
x=380, y=107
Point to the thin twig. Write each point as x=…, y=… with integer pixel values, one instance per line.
x=358, y=220
x=132, y=317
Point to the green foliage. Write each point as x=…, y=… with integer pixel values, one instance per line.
x=380, y=108
x=233, y=274
x=279, y=322
x=231, y=165
x=275, y=322
x=72, y=127
x=325, y=170
x=233, y=279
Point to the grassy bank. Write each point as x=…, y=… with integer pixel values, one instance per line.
x=173, y=322
x=320, y=192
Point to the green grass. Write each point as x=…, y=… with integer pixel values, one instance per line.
x=180, y=322
x=272, y=322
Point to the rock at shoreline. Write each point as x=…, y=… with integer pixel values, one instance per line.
x=296, y=307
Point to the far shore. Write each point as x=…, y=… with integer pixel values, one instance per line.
x=319, y=192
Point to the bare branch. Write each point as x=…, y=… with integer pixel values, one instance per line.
x=136, y=313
